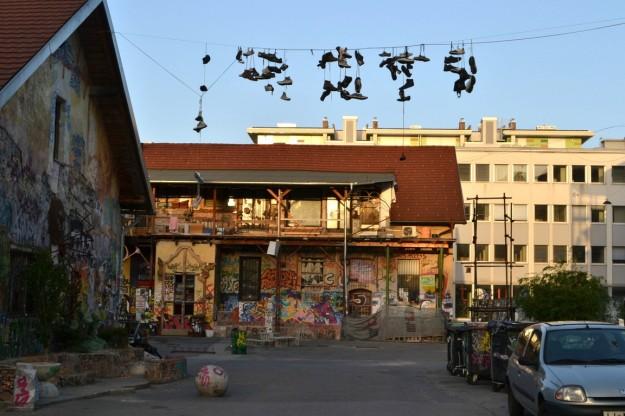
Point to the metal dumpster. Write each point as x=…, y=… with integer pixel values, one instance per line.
x=503, y=335
x=476, y=350
x=455, y=349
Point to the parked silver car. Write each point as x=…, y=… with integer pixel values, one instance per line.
x=568, y=368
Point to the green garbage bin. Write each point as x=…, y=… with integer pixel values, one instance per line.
x=238, y=338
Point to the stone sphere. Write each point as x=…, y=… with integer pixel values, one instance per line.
x=211, y=380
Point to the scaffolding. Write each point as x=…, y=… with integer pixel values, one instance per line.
x=489, y=309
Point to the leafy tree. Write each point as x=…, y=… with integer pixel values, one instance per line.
x=558, y=294
x=47, y=285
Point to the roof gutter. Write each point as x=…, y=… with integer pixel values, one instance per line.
x=15, y=83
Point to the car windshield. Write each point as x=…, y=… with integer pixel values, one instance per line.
x=585, y=346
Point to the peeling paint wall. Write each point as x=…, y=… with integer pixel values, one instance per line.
x=70, y=205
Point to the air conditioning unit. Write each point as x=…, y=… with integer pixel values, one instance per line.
x=409, y=231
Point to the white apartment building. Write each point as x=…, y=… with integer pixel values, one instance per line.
x=568, y=201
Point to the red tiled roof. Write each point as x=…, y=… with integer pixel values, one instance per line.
x=26, y=26
x=428, y=183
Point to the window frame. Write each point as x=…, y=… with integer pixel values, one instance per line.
x=575, y=169
x=555, y=209
x=477, y=251
x=618, y=259
x=620, y=211
x=521, y=255
x=621, y=170
x=249, y=297
x=598, y=171
x=592, y=254
x=496, y=179
x=460, y=171
x=486, y=216
x=546, y=173
x=553, y=253
x=522, y=173
x=558, y=168
x=468, y=252
x=595, y=209
x=477, y=172
x=577, y=250
x=546, y=256
x=546, y=213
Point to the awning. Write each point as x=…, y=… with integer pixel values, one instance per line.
x=268, y=177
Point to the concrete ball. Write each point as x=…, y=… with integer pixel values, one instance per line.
x=211, y=380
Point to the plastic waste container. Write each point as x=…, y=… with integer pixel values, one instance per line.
x=504, y=335
x=455, y=350
x=476, y=350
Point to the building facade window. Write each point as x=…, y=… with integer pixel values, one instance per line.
x=482, y=212
x=541, y=213
x=618, y=255
x=520, y=253
x=249, y=278
x=597, y=254
x=618, y=214
x=59, y=128
x=520, y=173
x=541, y=254
x=464, y=170
x=559, y=254
x=501, y=173
x=597, y=174
x=540, y=173
x=597, y=213
x=578, y=254
x=462, y=252
x=519, y=212
x=467, y=212
x=618, y=174
x=578, y=173
x=500, y=252
x=559, y=213
x=559, y=173
x=482, y=173
x=481, y=252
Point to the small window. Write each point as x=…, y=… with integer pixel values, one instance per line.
x=519, y=212
x=597, y=254
x=59, y=124
x=311, y=271
x=249, y=278
x=467, y=212
x=481, y=252
x=559, y=213
x=482, y=212
x=482, y=173
x=618, y=255
x=559, y=254
x=500, y=252
x=520, y=253
x=464, y=170
x=618, y=174
x=501, y=173
x=540, y=173
x=540, y=254
x=520, y=173
x=596, y=174
x=618, y=214
x=578, y=173
x=597, y=213
x=541, y=213
x=462, y=252
x=498, y=212
x=559, y=173
x=579, y=254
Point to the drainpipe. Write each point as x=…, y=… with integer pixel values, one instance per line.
x=345, y=271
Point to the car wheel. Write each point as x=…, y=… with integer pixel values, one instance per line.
x=514, y=407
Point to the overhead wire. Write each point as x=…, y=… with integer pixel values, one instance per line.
x=620, y=20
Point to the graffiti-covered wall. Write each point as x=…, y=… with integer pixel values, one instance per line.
x=311, y=287
x=65, y=199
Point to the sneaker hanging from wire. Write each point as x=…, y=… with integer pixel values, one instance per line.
x=284, y=96
x=422, y=57
x=384, y=54
x=456, y=51
x=285, y=81
x=269, y=88
x=403, y=97
x=206, y=59
x=360, y=60
x=470, y=84
x=239, y=55
x=325, y=94
x=452, y=59
x=472, y=65
x=459, y=87
x=248, y=53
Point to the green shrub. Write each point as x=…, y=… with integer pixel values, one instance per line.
x=115, y=337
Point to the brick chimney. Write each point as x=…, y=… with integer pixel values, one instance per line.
x=512, y=124
x=374, y=123
x=324, y=123
x=462, y=125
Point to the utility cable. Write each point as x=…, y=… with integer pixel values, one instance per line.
x=440, y=43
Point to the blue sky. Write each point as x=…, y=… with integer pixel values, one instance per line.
x=575, y=81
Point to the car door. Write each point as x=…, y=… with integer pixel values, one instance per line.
x=514, y=367
x=529, y=379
